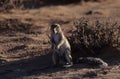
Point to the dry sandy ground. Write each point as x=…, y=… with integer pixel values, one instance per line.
x=24, y=54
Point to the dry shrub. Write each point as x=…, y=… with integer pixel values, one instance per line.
x=6, y=5
x=93, y=36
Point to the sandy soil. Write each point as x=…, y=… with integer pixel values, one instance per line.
x=25, y=53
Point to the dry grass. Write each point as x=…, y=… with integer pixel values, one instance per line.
x=15, y=25
x=22, y=4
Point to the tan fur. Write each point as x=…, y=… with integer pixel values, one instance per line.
x=59, y=44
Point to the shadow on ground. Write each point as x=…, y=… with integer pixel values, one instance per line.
x=25, y=67
x=43, y=65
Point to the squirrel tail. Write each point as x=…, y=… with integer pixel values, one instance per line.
x=97, y=62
